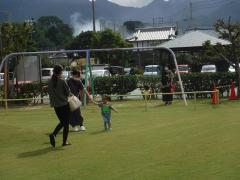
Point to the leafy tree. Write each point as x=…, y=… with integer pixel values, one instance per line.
x=230, y=53
x=52, y=33
x=110, y=39
x=16, y=37
x=85, y=40
x=209, y=55
x=100, y=40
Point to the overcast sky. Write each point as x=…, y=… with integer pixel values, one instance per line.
x=132, y=3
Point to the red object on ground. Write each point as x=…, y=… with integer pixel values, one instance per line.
x=232, y=93
x=214, y=99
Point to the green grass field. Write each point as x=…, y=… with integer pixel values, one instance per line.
x=164, y=142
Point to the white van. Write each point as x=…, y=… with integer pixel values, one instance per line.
x=47, y=73
x=183, y=69
x=231, y=68
x=209, y=68
x=152, y=70
x=11, y=78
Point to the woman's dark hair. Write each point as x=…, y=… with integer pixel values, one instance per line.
x=76, y=73
x=57, y=70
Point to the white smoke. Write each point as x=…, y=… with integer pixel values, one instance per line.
x=79, y=25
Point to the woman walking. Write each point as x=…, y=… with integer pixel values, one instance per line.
x=77, y=88
x=58, y=94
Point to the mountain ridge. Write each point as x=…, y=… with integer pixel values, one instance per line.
x=176, y=10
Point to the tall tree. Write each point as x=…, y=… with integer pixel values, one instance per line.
x=52, y=33
x=85, y=40
x=110, y=39
x=16, y=37
x=99, y=40
x=231, y=53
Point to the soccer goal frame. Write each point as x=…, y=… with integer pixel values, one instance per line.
x=5, y=62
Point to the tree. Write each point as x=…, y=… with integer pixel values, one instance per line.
x=16, y=37
x=230, y=53
x=110, y=39
x=100, y=40
x=209, y=55
x=85, y=40
x=52, y=33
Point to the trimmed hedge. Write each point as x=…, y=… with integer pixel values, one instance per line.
x=115, y=84
x=124, y=84
x=191, y=82
x=204, y=81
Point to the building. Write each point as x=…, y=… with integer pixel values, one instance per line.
x=146, y=37
x=194, y=40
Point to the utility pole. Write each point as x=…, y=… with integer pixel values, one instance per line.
x=93, y=14
x=191, y=15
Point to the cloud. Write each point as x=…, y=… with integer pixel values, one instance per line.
x=132, y=3
x=80, y=25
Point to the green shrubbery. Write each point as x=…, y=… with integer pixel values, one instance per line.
x=28, y=90
x=121, y=85
x=204, y=81
x=191, y=82
x=115, y=84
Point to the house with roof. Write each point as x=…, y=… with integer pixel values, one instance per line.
x=192, y=43
x=194, y=40
x=146, y=37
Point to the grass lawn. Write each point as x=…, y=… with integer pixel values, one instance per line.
x=164, y=142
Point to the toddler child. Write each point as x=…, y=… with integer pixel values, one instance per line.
x=106, y=108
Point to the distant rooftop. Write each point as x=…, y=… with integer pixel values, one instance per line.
x=194, y=38
x=153, y=33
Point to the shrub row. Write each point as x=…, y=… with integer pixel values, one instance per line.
x=115, y=84
x=124, y=84
x=204, y=81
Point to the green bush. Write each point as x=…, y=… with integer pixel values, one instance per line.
x=149, y=81
x=1, y=92
x=29, y=90
x=121, y=85
x=115, y=84
x=204, y=81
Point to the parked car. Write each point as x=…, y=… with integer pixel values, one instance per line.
x=208, y=68
x=232, y=69
x=100, y=73
x=127, y=71
x=115, y=70
x=183, y=68
x=12, y=79
x=152, y=70
x=47, y=73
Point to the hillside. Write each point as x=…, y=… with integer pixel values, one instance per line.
x=204, y=12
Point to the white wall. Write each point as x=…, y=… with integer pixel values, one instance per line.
x=28, y=69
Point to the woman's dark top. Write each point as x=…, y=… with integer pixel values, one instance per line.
x=75, y=86
x=58, y=95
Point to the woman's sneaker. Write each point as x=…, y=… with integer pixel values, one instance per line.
x=75, y=129
x=82, y=128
